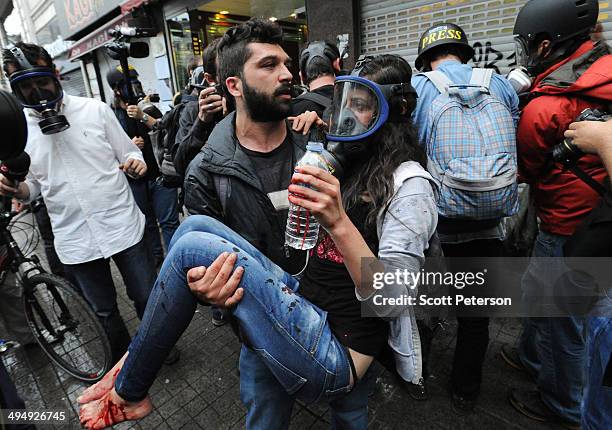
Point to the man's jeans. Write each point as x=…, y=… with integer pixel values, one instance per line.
x=597, y=403
x=286, y=333
x=158, y=203
x=96, y=283
x=553, y=349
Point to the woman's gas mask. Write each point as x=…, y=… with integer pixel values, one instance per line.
x=360, y=107
x=37, y=87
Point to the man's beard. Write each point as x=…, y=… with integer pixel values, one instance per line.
x=264, y=107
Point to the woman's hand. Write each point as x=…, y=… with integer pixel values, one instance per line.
x=218, y=283
x=303, y=122
x=324, y=201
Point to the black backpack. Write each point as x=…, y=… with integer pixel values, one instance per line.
x=163, y=140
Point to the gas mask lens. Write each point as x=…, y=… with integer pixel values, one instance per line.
x=356, y=110
x=37, y=90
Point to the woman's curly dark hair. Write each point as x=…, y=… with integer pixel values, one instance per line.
x=395, y=142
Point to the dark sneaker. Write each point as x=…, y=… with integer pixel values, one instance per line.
x=173, y=356
x=462, y=405
x=218, y=319
x=416, y=391
x=530, y=404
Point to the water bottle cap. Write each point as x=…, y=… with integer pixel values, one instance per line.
x=314, y=146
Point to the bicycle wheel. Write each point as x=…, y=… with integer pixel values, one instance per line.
x=66, y=328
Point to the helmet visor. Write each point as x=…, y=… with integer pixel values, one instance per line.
x=36, y=89
x=357, y=109
x=521, y=51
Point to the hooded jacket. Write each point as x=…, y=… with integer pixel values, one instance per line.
x=560, y=94
x=248, y=210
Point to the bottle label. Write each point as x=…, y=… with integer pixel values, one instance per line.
x=280, y=200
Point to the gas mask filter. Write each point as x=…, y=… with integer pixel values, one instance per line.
x=37, y=88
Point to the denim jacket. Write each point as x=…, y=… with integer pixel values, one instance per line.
x=406, y=231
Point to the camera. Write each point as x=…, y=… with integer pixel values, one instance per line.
x=120, y=48
x=566, y=152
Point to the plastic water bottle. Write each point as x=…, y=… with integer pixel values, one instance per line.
x=302, y=227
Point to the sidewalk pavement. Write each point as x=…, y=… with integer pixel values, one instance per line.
x=201, y=391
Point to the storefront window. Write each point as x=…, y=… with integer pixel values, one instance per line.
x=182, y=48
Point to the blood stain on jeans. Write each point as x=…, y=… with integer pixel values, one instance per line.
x=269, y=281
x=292, y=305
x=287, y=290
x=235, y=249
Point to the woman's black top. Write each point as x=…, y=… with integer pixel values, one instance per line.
x=328, y=285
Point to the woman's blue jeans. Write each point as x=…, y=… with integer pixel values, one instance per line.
x=285, y=332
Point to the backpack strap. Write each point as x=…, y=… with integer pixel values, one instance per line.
x=439, y=79
x=316, y=98
x=481, y=78
x=222, y=185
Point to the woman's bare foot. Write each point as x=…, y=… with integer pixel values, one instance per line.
x=104, y=385
x=112, y=409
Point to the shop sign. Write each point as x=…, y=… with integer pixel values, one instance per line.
x=75, y=15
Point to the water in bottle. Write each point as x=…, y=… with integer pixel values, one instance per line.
x=302, y=227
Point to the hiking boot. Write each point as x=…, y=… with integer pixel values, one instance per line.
x=173, y=356
x=530, y=404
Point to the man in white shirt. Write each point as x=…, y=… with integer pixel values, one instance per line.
x=79, y=153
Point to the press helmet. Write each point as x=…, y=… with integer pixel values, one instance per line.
x=115, y=76
x=444, y=34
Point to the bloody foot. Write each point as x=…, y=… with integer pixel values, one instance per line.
x=111, y=409
x=104, y=385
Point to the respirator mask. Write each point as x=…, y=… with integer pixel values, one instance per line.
x=359, y=109
x=37, y=88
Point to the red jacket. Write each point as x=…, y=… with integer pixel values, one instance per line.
x=562, y=199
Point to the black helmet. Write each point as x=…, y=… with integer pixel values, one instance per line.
x=115, y=76
x=561, y=19
x=319, y=48
x=443, y=34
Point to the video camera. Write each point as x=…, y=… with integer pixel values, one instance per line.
x=566, y=152
x=121, y=47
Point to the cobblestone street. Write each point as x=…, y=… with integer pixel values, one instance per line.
x=202, y=389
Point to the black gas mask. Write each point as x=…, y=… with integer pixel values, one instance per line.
x=37, y=87
x=116, y=79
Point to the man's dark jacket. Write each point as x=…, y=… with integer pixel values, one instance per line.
x=248, y=209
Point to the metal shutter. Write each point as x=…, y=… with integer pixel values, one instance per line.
x=74, y=84
x=394, y=26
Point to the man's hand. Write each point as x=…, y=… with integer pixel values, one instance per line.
x=8, y=187
x=591, y=136
x=209, y=103
x=134, y=168
x=138, y=141
x=217, y=284
x=134, y=111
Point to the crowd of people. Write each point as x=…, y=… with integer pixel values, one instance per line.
x=428, y=165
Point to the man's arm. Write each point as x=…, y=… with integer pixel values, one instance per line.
x=540, y=128
x=593, y=137
x=123, y=147
x=200, y=193
x=191, y=136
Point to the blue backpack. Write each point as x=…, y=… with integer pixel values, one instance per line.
x=472, y=149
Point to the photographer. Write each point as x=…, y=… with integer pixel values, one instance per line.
x=592, y=239
x=571, y=73
x=155, y=200
x=200, y=116
x=79, y=155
